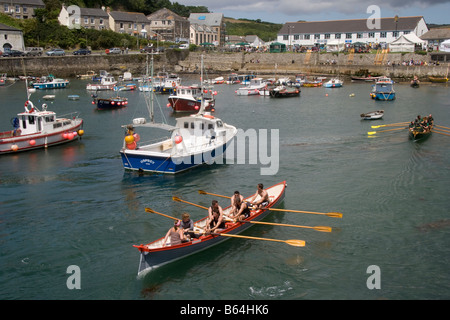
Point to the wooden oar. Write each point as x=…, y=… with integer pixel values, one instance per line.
x=445, y=134
x=162, y=214
x=181, y=200
x=442, y=127
x=439, y=128
x=374, y=132
x=391, y=125
x=213, y=194
x=317, y=228
x=329, y=214
x=295, y=243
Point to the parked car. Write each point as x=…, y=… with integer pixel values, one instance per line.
x=147, y=49
x=113, y=51
x=82, y=52
x=56, y=52
x=34, y=51
x=13, y=53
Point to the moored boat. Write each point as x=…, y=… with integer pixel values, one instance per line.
x=284, y=92
x=334, y=83
x=383, y=90
x=373, y=115
x=253, y=88
x=50, y=82
x=157, y=253
x=36, y=128
x=188, y=98
x=438, y=79
x=106, y=83
x=110, y=103
x=195, y=140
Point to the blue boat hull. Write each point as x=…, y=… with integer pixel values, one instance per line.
x=383, y=96
x=167, y=164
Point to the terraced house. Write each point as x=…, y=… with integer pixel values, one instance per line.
x=167, y=25
x=20, y=9
x=91, y=18
x=319, y=33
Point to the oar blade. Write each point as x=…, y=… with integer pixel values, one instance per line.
x=323, y=229
x=176, y=199
x=149, y=210
x=202, y=192
x=334, y=214
x=296, y=243
x=371, y=133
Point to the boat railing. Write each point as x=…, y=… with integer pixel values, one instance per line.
x=71, y=115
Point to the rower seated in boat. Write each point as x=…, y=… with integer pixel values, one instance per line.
x=236, y=195
x=242, y=210
x=188, y=226
x=215, y=218
x=175, y=233
x=263, y=201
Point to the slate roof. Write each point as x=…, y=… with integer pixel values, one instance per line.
x=93, y=12
x=342, y=26
x=210, y=19
x=129, y=16
x=436, y=34
x=165, y=14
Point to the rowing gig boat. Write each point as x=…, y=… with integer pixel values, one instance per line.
x=154, y=254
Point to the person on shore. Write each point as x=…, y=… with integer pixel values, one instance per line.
x=175, y=233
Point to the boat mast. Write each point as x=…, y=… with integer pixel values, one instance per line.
x=202, y=101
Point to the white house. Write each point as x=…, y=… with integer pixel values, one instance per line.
x=10, y=38
x=318, y=33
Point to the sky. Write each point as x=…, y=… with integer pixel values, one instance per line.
x=281, y=11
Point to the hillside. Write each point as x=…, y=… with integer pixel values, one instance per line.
x=267, y=31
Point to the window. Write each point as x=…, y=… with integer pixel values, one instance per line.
x=86, y=20
x=307, y=36
x=395, y=34
x=186, y=125
x=285, y=37
x=383, y=34
x=371, y=34
x=17, y=9
x=337, y=35
x=101, y=21
x=25, y=10
x=296, y=36
x=92, y=20
x=359, y=35
x=327, y=36
x=6, y=8
x=317, y=36
x=348, y=36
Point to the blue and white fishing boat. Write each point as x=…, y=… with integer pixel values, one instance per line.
x=333, y=83
x=194, y=140
x=50, y=82
x=383, y=89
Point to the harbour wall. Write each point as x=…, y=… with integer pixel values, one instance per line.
x=267, y=64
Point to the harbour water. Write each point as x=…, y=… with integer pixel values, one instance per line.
x=74, y=205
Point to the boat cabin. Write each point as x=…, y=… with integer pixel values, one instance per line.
x=34, y=121
x=384, y=85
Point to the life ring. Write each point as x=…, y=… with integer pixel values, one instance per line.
x=173, y=84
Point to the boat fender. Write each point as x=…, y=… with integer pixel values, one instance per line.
x=208, y=116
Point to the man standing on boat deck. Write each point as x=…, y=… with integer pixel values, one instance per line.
x=264, y=197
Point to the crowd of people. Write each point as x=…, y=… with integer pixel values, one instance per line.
x=422, y=124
